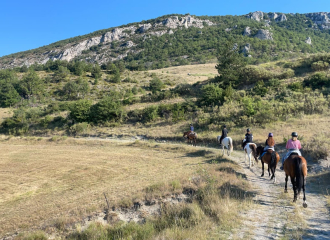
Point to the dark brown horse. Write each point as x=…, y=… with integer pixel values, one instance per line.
x=192, y=137
x=296, y=167
x=271, y=158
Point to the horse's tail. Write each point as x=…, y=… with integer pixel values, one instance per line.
x=299, y=174
x=254, y=151
x=273, y=159
x=231, y=147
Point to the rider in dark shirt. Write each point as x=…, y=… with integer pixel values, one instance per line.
x=248, y=137
x=224, y=133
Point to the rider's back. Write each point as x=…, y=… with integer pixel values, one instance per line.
x=293, y=144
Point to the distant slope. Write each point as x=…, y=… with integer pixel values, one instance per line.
x=173, y=40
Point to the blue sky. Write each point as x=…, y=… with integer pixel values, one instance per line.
x=31, y=24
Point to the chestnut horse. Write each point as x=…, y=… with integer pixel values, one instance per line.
x=295, y=166
x=271, y=158
x=192, y=137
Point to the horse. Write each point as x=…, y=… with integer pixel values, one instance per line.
x=249, y=149
x=192, y=137
x=295, y=166
x=271, y=158
x=226, y=142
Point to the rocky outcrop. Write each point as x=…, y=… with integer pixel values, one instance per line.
x=281, y=18
x=272, y=16
x=258, y=15
x=308, y=41
x=144, y=27
x=264, y=35
x=128, y=44
x=320, y=18
x=247, y=31
x=187, y=21
x=277, y=17
x=246, y=49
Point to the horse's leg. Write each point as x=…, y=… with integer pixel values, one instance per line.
x=249, y=160
x=294, y=189
x=286, y=184
x=223, y=149
x=273, y=172
x=268, y=170
x=263, y=170
x=303, y=187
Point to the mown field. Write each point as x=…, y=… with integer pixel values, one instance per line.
x=47, y=184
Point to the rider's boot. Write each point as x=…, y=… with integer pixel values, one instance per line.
x=282, y=167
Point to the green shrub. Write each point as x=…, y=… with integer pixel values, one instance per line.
x=108, y=109
x=150, y=114
x=80, y=110
x=320, y=66
x=156, y=85
x=211, y=95
x=79, y=128
x=296, y=87
x=317, y=81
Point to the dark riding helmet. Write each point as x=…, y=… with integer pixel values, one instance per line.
x=224, y=126
x=294, y=134
x=248, y=130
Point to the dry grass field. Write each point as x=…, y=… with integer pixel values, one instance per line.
x=43, y=181
x=190, y=73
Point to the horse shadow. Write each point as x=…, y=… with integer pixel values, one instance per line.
x=199, y=153
x=218, y=160
x=233, y=191
x=230, y=170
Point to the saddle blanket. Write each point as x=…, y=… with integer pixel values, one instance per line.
x=266, y=149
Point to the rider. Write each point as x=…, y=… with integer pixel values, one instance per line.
x=270, y=144
x=248, y=137
x=224, y=133
x=293, y=146
x=191, y=128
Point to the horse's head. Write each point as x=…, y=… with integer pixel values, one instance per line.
x=185, y=134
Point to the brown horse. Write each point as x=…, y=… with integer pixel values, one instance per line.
x=192, y=137
x=295, y=166
x=271, y=158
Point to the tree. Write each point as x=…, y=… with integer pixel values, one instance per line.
x=61, y=74
x=116, y=77
x=31, y=85
x=211, y=95
x=108, y=109
x=96, y=72
x=8, y=95
x=230, y=64
x=76, y=89
x=80, y=110
x=156, y=85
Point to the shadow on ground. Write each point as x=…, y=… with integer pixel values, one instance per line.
x=233, y=191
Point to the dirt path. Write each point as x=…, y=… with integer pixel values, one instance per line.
x=274, y=215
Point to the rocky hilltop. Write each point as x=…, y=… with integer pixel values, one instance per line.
x=117, y=43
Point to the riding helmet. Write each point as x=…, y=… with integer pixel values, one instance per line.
x=294, y=134
x=224, y=126
x=270, y=135
x=248, y=130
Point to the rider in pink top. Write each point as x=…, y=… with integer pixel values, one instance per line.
x=293, y=146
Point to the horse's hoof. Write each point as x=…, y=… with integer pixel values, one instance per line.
x=285, y=191
x=262, y=175
x=305, y=205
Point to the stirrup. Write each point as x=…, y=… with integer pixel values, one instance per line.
x=281, y=167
